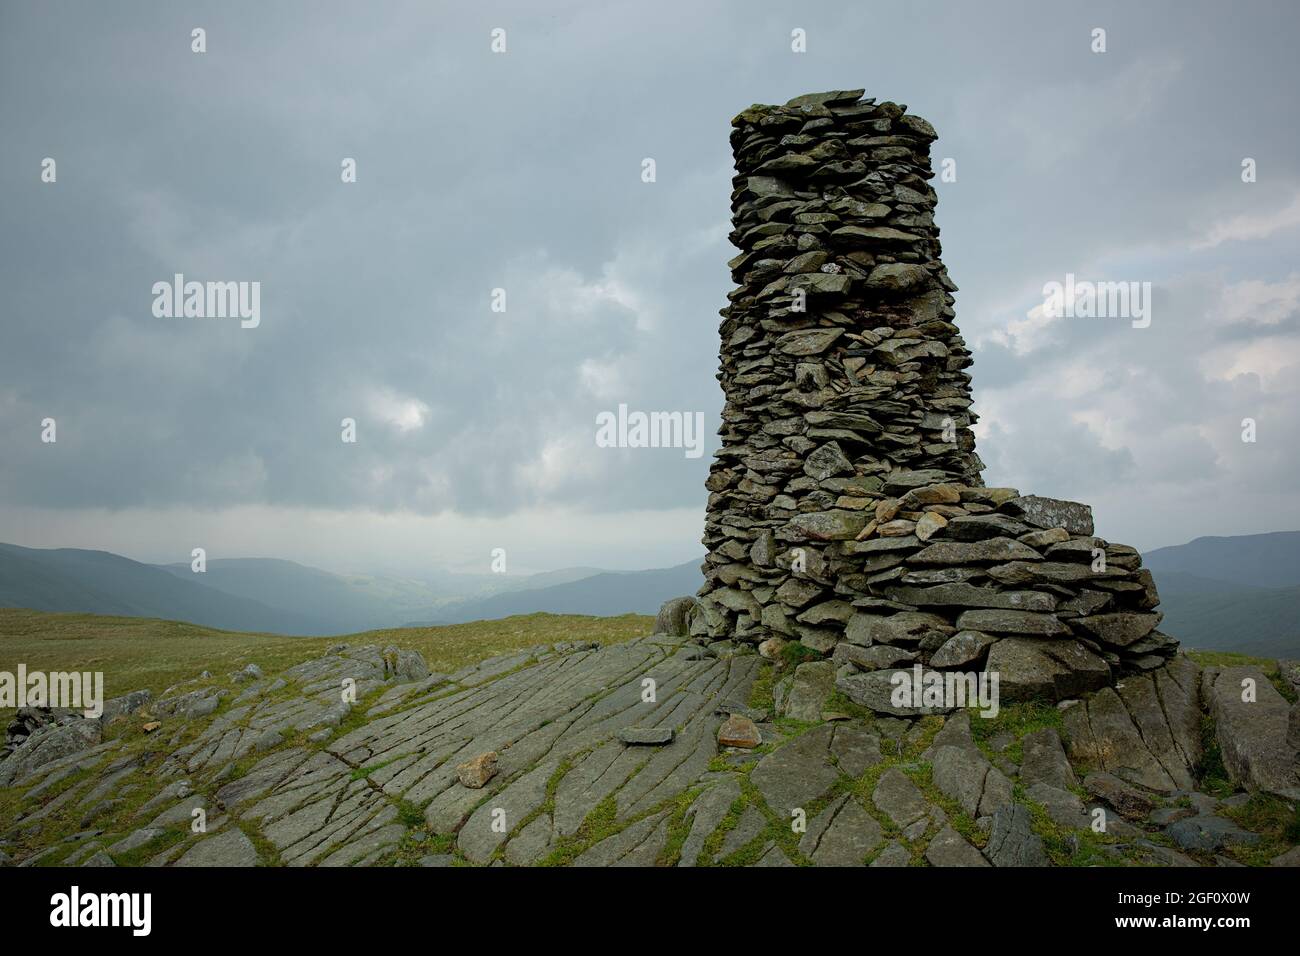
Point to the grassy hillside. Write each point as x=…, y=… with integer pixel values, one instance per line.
x=136, y=653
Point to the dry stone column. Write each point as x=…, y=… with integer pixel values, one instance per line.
x=847, y=510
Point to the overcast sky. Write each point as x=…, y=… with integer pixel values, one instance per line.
x=522, y=170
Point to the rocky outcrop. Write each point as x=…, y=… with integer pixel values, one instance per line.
x=846, y=504
x=1253, y=729
x=558, y=755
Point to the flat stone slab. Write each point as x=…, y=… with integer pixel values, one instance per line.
x=949, y=848
x=646, y=736
x=797, y=773
x=898, y=798
x=231, y=848
x=1206, y=833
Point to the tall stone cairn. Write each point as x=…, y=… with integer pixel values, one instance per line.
x=846, y=508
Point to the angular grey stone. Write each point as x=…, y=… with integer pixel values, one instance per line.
x=831, y=525
x=708, y=810
x=1118, y=630
x=979, y=527
x=872, y=658
x=894, y=854
x=969, y=596
x=814, y=682
x=797, y=772
x=773, y=856
x=1051, y=513
x=1063, y=807
x=1206, y=833
x=963, y=773
x=747, y=829
x=1045, y=761
x=898, y=798
x=990, y=550
x=1120, y=745
x=995, y=621
x=847, y=841
x=1012, y=841
x=646, y=736
x=876, y=691
x=674, y=617
x=1054, y=668
x=855, y=748
x=807, y=341
x=905, y=627
x=48, y=744
x=136, y=839
x=964, y=647
x=898, y=277
x=1129, y=801
x=1252, y=736
x=949, y=848
x=229, y=848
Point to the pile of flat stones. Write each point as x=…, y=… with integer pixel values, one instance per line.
x=846, y=508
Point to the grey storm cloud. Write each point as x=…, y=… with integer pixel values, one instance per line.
x=521, y=171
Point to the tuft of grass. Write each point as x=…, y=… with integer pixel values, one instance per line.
x=838, y=703
x=679, y=828
x=761, y=693
x=921, y=774
x=1016, y=719
x=1066, y=846
x=600, y=823
x=795, y=653
x=360, y=773
x=1211, y=774
x=1274, y=819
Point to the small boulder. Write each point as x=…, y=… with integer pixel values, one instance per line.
x=475, y=773
x=674, y=618
x=739, y=731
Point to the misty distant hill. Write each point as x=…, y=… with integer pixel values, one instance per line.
x=284, y=597
x=1255, y=560
x=331, y=602
x=99, y=582
x=610, y=592
x=1239, y=593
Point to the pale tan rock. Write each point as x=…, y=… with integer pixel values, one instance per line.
x=868, y=531
x=928, y=524
x=738, y=731
x=885, y=510
x=897, y=528
x=477, y=772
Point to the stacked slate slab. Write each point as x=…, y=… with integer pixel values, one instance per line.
x=847, y=510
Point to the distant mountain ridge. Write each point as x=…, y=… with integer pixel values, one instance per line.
x=1237, y=593
x=284, y=597
x=1269, y=560
x=100, y=582
x=606, y=593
